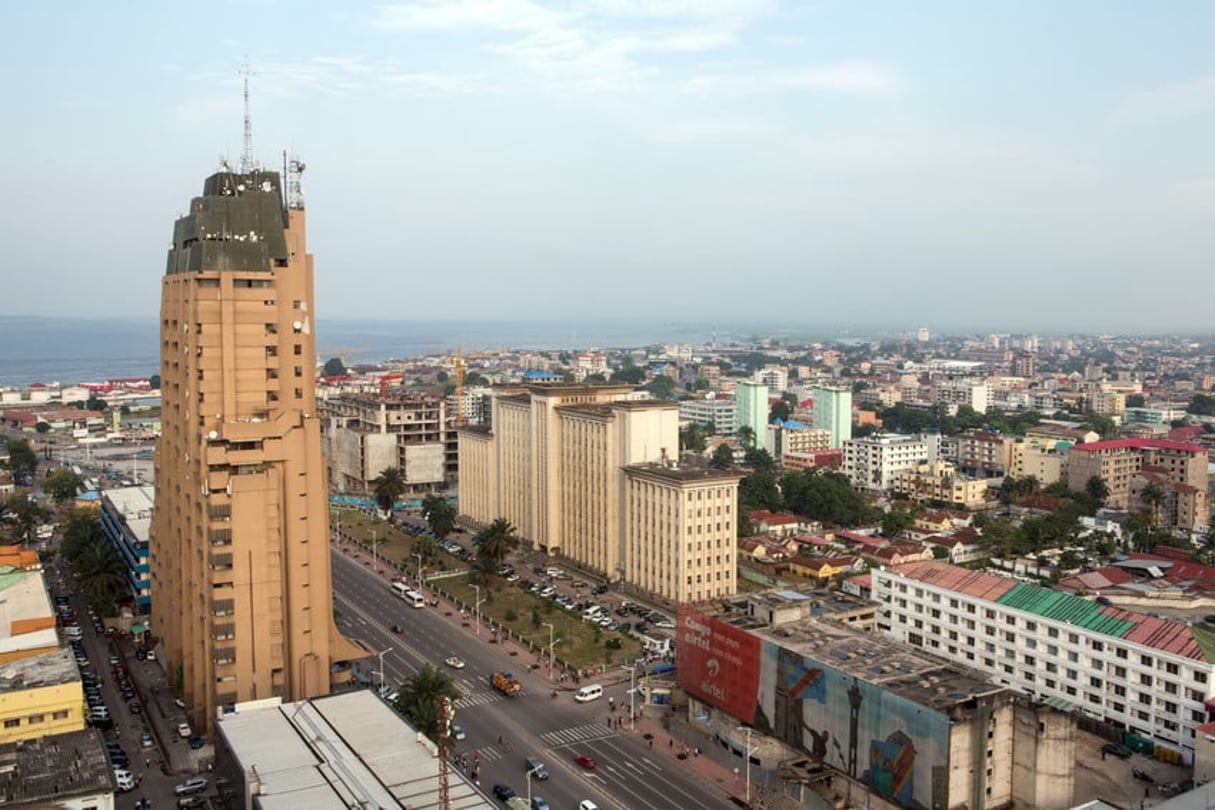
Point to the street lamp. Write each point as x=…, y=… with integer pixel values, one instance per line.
x=419, y=558
x=477, y=607
x=381, y=655
x=632, y=692
x=749, y=751
x=375, y=553
x=550, y=649
x=528, y=774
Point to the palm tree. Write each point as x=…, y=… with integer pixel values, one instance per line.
x=101, y=576
x=746, y=436
x=496, y=540
x=440, y=515
x=388, y=487
x=419, y=695
x=1153, y=498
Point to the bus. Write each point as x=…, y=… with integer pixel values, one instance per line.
x=412, y=597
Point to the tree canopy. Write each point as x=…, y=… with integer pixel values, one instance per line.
x=418, y=698
x=440, y=515
x=334, y=367
x=496, y=540
x=62, y=485
x=388, y=487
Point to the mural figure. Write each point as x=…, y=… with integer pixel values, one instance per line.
x=854, y=715
x=891, y=763
x=796, y=682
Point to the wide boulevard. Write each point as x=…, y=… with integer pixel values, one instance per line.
x=555, y=730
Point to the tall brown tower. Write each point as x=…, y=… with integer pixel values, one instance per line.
x=241, y=581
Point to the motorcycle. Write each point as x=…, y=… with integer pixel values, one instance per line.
x=396, y=628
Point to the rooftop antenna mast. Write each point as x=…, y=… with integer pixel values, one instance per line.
x=246, y=153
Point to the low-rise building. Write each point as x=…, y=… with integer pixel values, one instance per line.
x=68, y=770
x=126, y=521
x=720, y=415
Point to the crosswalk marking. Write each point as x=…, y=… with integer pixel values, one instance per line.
x=584, y=733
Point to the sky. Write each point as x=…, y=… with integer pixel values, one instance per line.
x=1003, y=166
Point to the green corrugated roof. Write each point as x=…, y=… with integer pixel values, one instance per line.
x=1064, y=607
x=13, y=576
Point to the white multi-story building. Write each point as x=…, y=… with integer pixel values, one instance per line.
x=720, y=414
x=975, y=393
x=870, y=462
x=1153, y=676
x=775, y=377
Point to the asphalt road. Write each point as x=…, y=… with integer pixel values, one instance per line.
x=533, y=723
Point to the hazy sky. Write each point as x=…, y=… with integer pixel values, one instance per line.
x=1018, y=165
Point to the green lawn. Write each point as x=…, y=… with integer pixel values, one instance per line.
x=580, y=644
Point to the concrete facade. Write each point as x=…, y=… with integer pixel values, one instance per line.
x=721, y=414
x=871, y=462
x=558, y=464
x=679, y=531
x=239, y=547
x=1116, y=462
x=364, y=434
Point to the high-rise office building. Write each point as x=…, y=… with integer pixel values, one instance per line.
x=239, y=548
x=833, y=412
x=752, y=399
x=586, y=471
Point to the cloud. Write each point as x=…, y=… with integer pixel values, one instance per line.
x=846, y=77
x=435, y=84
x=599, y=44
x=683, y=132
x=501, y=15
x=1181, y=100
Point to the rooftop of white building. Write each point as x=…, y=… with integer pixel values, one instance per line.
x=1164, y=635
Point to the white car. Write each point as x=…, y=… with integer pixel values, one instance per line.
x=457, y=731
x=183, y=730
x=124, y=780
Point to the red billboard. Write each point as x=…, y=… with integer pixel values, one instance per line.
x=717, y=663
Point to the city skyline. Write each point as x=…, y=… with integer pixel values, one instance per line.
x=1041, y=168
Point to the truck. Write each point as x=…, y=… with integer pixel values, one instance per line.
x=506, y=683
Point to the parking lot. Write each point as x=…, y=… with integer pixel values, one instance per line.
x=1112, y=777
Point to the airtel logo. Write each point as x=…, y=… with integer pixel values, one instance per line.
x=712, y=667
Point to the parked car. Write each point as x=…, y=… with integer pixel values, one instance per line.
x=195, y=784
x=1120, y=751
x=195, y=741
x=124, y=780
x=183, y=730
x=503, y=792
x=538, y=803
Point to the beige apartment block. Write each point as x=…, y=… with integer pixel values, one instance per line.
x=553, y=464
x=1116, y=461
x=680, y=528
x=984, y=453
x=239, y=547
x=940, y=481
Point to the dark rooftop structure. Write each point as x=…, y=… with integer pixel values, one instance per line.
x=50, y=771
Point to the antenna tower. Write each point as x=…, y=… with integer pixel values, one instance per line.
x=246, y=153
